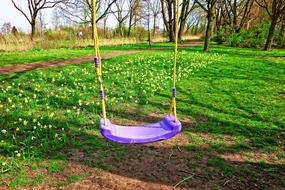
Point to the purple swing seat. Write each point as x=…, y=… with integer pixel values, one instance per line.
x=163, y=130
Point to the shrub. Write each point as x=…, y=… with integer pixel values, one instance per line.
x=220, y=38
x=255, y=37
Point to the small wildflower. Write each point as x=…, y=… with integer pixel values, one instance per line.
x=51, y=115
x=18, y=155
x=4, y=131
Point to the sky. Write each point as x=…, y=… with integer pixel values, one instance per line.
x=8, y=13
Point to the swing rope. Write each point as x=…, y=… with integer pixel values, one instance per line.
x=98, y=63
x=97, y=60
x=173, y=101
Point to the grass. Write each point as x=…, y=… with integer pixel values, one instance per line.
x=39, y=55
x=235, y=96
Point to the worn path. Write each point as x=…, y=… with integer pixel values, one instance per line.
x=47, y=64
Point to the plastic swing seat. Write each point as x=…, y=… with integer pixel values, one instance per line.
x=163, y=130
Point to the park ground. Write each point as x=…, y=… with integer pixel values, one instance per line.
x=231, y=102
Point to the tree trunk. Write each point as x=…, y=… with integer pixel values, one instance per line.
x=282, y=33
x=270, y=36
x=154, y=25
x=181, y=28
x=210, y=26
x=149, y=35
x=130, y=25
x=105, y=28
x=183, y=17
x=33, y=29
x=121, y=32
x=171, y=33
x=235, y=16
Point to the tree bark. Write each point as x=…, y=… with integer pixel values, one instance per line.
x=121, y=32
x=208, y=32
x=33, y=28
x=270, y=36
x=130, y=25
x=154, y=25
x=210, y=26
x=170, y=22
x=282, y=33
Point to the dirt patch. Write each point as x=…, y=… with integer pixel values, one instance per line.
x=47, y=64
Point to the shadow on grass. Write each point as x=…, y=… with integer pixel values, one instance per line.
x=169, y=162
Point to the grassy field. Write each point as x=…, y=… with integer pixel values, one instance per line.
x=230, y=101
x=39, y=55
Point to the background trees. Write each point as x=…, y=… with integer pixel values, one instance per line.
x=209, y=6
x=243, y=23
x=275, y=10
x=34, y=7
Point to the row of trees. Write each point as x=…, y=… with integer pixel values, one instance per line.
x=214, y=16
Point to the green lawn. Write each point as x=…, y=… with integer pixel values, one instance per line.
x=39, y=55
x=230, y=101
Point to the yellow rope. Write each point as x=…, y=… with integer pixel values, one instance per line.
x=98, y=55
x=173, y=101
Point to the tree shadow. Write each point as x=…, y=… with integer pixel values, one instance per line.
x=170, y=161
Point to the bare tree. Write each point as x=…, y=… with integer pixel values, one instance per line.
x=147, y=17
x=134, y=6
x=275, y=9
x=80, y=11
x=56, y=18
x=34, y=7
x=40, y=23
x=121, y=14
x=209, y=6
x=155, y=8
x=6, y=28
x=194, y=20
x=167, y=9
x=237, y=12
x=186, y=9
